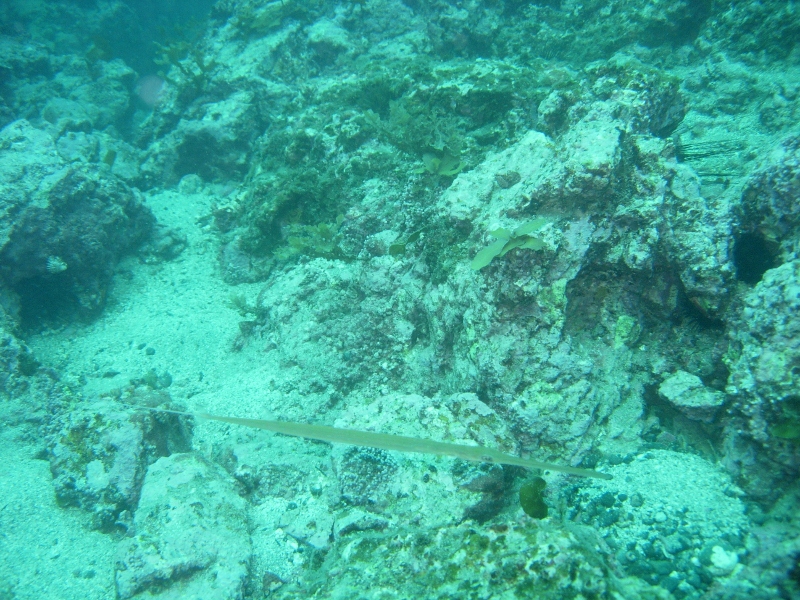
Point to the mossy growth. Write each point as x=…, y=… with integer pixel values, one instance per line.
x=521, y=237
x=308, y=167
x=626, y=331
x=444, y=249
x=287, y=199
x=415, y=124
x=531, y=498
x=550, y=561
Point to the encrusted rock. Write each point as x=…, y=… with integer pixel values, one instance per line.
x=687, y=393
x=698, y=240
x=77, y=213
x=191, y=535
x=771, y=198
x=764, y=379
x=99, y=452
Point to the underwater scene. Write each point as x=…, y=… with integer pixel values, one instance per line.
x=399, y=299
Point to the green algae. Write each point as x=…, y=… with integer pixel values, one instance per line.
x=521, y=237
x=531, y=498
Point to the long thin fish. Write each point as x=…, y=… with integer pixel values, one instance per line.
x=386, y=441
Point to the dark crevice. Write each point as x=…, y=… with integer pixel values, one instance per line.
x=753, y=255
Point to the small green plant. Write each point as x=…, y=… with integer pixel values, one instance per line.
x=239, y=303
x=400, y=247
x=787, y=427
x=261, y=20
x=318, y=240
x=264, y=18
x=531, y=498
x=187, y=58
x=521, y=237
x=445, y=165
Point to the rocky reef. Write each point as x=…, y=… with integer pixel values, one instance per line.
x=563, y=230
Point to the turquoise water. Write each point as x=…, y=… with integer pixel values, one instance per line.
x=396, y=299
